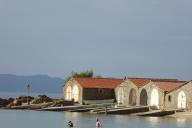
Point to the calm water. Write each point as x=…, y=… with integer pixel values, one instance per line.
x=34, y=119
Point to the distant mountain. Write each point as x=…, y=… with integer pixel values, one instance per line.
x=39, y=83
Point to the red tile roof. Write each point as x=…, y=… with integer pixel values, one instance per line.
x=184, y=83
x=168, y=86
x=110, y=83
x=139, y=82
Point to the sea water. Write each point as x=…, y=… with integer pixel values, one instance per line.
x=42, y=119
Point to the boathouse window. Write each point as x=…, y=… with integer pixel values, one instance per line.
x=169, y=98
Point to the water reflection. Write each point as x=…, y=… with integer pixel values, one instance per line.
x=154, y=121
x=181, y=122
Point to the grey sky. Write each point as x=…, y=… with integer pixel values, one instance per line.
x=139, y=38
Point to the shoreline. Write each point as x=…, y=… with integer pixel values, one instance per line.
x=176, y=115
x=42, y=102
x=39, y=107
x=33, y=103
x=181, y=114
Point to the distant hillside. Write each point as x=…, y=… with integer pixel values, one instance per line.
x=39, y=83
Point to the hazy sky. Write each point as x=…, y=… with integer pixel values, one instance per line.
x=115, y=38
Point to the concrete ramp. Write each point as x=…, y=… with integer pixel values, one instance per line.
x=104, y=109
x=76, y=108
x=156, y=113
x=128, y=110
x=81, y=110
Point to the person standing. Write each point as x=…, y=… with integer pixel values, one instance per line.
x=70, y=124
x=98, y=123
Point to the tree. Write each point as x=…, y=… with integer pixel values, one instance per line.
x=88, y=73
x=84, y=74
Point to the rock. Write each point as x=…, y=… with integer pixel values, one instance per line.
x=23, y=99
x=59, y=103
x=42, y=99
x=16, y=102
x=11, y=100
x=4, y=102
x=19, y=100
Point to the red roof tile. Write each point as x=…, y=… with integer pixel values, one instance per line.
x=164, y=84
x=110, y=83
x=139, y=82
x=168, y=86
x=184, y=83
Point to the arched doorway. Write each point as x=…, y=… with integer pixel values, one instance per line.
x=155, y=98
x=75, y=93
x=69, y=93
x=143, y=97
x=132, y=97
x=182, y=100
x=120, y=95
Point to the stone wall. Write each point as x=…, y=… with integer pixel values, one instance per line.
x=171, y=99
x=163, y=100
x=98, y=94
x=127, y=85
x=73, y=83
x=149, y=87
x=89, y=93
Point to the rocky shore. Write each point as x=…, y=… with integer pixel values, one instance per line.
x=5, y=102
x=28, y=102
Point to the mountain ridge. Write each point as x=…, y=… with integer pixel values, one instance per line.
x=38, y=83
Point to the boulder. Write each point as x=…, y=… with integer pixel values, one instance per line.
x=59, y=103
x=23, y=99
x=42, y=99
x=4, y=102
x=11, y=99
x=20, y=100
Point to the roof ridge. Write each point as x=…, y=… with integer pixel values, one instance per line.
x=98, y=78
x=152, y=78
x=169, y=81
